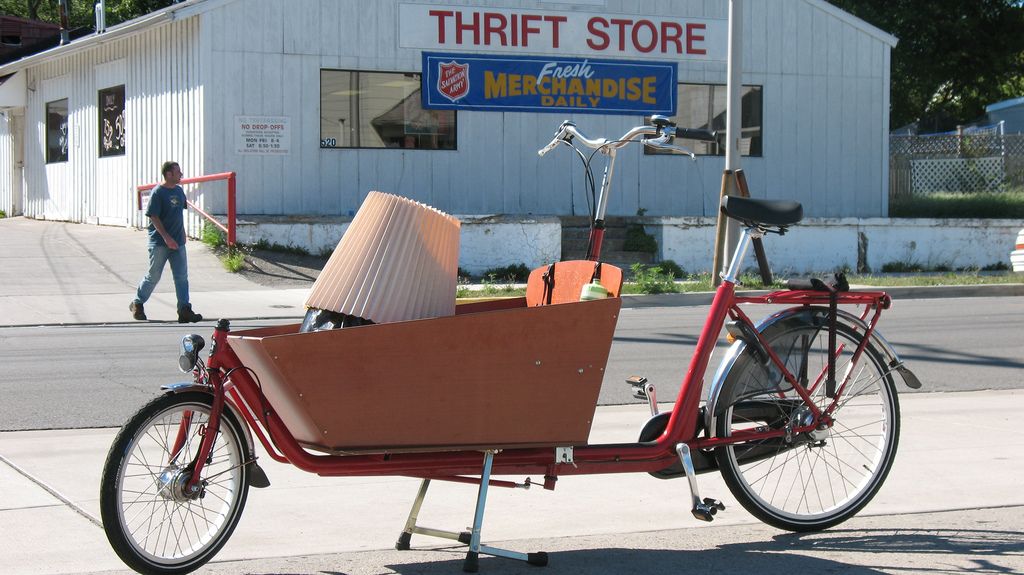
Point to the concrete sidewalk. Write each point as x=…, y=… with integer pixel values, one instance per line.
x=56, y=273
x=49, y=504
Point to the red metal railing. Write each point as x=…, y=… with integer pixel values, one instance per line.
x=229, y=176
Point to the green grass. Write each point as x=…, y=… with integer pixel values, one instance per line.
x=212, y=236
x=234, y=261
x=264, y=245
x=696, y=283
x=515, y=273
x=490, y=290
x=1008, y=204
x=939, y=279
x=3, y=214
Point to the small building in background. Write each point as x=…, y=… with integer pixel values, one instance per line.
x=19, y=35
x=1010, y=113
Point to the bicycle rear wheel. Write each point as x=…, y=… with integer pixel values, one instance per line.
x=816, y=480
x=151, y=520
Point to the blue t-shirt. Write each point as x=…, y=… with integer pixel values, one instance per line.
x=168, y=204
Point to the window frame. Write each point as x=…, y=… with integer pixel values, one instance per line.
x=51, y=158
x=418, y=92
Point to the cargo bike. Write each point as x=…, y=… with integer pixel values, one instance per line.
x=801, y=417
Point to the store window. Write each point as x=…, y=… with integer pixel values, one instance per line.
x=111, y=104
x=57, y=131
x=380, y=110
x=703, y=106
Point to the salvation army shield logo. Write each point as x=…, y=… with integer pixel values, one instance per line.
x=453, y=80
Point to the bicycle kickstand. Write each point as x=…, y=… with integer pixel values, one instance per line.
x=703, y=509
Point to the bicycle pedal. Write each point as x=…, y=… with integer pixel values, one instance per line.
x=714, y=504
x=704, y=513
x=639, y=385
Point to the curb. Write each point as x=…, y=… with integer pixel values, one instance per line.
x=212, y=322
x=646, y=301
x=897, y=292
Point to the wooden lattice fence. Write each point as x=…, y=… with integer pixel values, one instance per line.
x=952, y=163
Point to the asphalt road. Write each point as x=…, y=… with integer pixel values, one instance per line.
x=96, y=376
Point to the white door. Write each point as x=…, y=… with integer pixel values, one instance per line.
x=113, y=193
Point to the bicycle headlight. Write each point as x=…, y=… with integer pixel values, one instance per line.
x=191, y=345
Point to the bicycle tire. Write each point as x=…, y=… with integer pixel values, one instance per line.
x=814, y=481
x=150, y=523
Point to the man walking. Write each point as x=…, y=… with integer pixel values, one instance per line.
x=166, y=243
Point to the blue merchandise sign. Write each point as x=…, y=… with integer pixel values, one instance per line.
x=547, y=84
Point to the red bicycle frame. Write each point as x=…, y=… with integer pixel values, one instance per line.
x=230, y=381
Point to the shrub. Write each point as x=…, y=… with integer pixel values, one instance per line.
x=515, y=273
x=651, y=280
x=673, y=269
x=212, y=236
x=637, y=240
x=264, y=245
x=901, y=267
x=234, y=261
x=3, y=214
x=996, y=267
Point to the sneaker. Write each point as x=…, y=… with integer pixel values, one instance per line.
x=186, y=315
x=137, y=311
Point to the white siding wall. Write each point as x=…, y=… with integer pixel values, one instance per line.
x=824, y=131
x=160, y=70
x=824, y=126
x=6, y=163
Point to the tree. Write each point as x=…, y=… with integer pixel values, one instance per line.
x=953, y=57
x=81, y=13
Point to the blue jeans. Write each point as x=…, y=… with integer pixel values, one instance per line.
x=158, y=256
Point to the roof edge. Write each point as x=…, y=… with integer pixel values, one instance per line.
x=1004, y=104
x=856, y=22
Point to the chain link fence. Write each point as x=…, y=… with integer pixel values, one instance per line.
x=954, y=163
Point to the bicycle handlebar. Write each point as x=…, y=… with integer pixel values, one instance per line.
x=660, y=135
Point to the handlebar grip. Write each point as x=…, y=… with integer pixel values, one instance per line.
x=547, y=148
x=695, y=134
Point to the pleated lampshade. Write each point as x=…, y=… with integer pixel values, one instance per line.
x=397, y=261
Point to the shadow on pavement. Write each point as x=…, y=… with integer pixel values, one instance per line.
x=858, y=552
x=917, y=541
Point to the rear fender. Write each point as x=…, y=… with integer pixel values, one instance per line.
x=811, y=316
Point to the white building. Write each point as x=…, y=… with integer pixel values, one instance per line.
x=326, y=94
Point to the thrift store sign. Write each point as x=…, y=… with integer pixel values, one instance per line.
x=545, y=84
x=529, y=31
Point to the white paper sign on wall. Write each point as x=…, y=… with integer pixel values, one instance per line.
x=263, y=135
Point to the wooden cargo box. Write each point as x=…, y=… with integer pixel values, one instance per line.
x=513, y=377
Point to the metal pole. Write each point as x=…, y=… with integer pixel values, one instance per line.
x=728, y=232
x=65, y=18
x=734, y=115
x=101, y=16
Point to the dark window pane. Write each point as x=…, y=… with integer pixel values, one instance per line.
x=57, y=131
x=111, y=103
x=704, y=106
x=380, y=110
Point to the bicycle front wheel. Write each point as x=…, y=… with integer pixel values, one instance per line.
x=153, y=522
x=807, y=482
